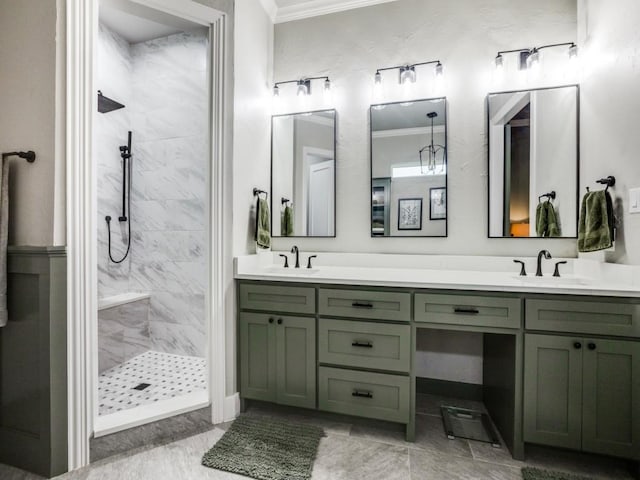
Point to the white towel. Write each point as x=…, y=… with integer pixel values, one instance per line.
x=4, y=234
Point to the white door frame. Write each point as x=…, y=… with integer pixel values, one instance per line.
x=82, y=301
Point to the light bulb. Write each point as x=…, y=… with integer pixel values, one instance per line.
x=499, y=62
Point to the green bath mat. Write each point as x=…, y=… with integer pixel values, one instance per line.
x=266, y=449
x=529, y=473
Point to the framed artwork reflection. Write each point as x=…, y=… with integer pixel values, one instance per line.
x=438, y=203
x=410, y=214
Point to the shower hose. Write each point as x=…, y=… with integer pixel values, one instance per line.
x=108, y=218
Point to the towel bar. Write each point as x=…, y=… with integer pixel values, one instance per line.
x=29, y=156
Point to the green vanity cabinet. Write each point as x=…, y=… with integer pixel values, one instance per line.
x=278, y=359
x=583, y=394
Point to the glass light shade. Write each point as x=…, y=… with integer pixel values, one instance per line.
x=499, y=61
x=303, y=89
x=439, y=69
x=377, y=78
x=407, y=75
x=276, y=91
x=573, y=52
x=534, y=58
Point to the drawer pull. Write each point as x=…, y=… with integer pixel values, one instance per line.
x=362, y=305
x=362, y=394
x=466, y=311
x=362, y=344
x=591, y=346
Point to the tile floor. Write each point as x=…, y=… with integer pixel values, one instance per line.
x=168, y=376
x=355, y=449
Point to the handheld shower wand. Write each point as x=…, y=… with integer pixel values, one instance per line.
x=125, y=154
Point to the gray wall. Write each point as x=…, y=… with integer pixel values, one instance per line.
x=465, y=35
x=32, y=43
x=610, y=108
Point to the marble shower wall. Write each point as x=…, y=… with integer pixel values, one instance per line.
x=168, y=114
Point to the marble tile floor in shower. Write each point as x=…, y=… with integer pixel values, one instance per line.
x=166, y=375
x=354, y=449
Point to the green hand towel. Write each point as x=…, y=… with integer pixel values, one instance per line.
x=595, y=229
x=546, y=220
x=263, y=234
x=541, y=219
x=287, y=222
x=553, y=229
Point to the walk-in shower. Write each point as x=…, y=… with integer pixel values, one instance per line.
x=152, y=77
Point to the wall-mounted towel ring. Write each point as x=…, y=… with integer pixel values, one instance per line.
x=257, y=191
x=609, y=181
x=29, y=156
x=550, y=196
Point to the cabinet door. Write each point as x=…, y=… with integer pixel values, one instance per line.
x=611, y=408
x=553, y=390
x=296, y=361
x=258, y=356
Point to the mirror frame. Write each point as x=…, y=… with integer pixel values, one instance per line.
x=446, y=159
x=335, y=173
x=488, y=121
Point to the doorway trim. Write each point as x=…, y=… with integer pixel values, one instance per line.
x=82, y=295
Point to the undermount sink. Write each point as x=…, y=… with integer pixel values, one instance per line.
x=291, y=271
x=551, y=280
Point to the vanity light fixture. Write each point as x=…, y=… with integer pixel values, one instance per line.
x=303, y=85
x=530, y=57
x=407, y=73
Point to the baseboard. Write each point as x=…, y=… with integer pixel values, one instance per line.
x=446, y=388
x=231, y=407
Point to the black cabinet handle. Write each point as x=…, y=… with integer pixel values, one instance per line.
x=577, y=345
x=591, y=346
x=468, y=311
x=362, y=394
x=279, y=321
x=362, y=344
x=362, y=305
x=271, y=320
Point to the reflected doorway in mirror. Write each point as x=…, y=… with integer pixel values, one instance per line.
x=438, y=203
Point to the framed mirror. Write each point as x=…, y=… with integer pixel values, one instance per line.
x=533, y=163
x=303, y=174
x=409, y=169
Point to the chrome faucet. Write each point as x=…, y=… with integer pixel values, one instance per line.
x=546, y=255
x=295, y=250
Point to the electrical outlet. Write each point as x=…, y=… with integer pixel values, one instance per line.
x=634, y=200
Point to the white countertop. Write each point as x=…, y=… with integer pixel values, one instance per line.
x=579, y=276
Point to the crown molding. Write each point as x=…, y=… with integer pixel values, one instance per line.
x=270, y=7
x=316, y=8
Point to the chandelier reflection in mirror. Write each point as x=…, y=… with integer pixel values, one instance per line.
x=432, y=156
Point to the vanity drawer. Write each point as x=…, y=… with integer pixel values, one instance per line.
x=381, y=346
x=277, y=298
x=602, y=317
x=364, y=394
x=468, y=310
x=365, y=304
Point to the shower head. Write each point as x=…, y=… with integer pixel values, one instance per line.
x=432, y=114
x=106, y=104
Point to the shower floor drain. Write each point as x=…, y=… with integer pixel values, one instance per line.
x=142, y=386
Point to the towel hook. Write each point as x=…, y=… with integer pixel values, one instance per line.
x=257, y=191
x=29, y=156
x=284, y=200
